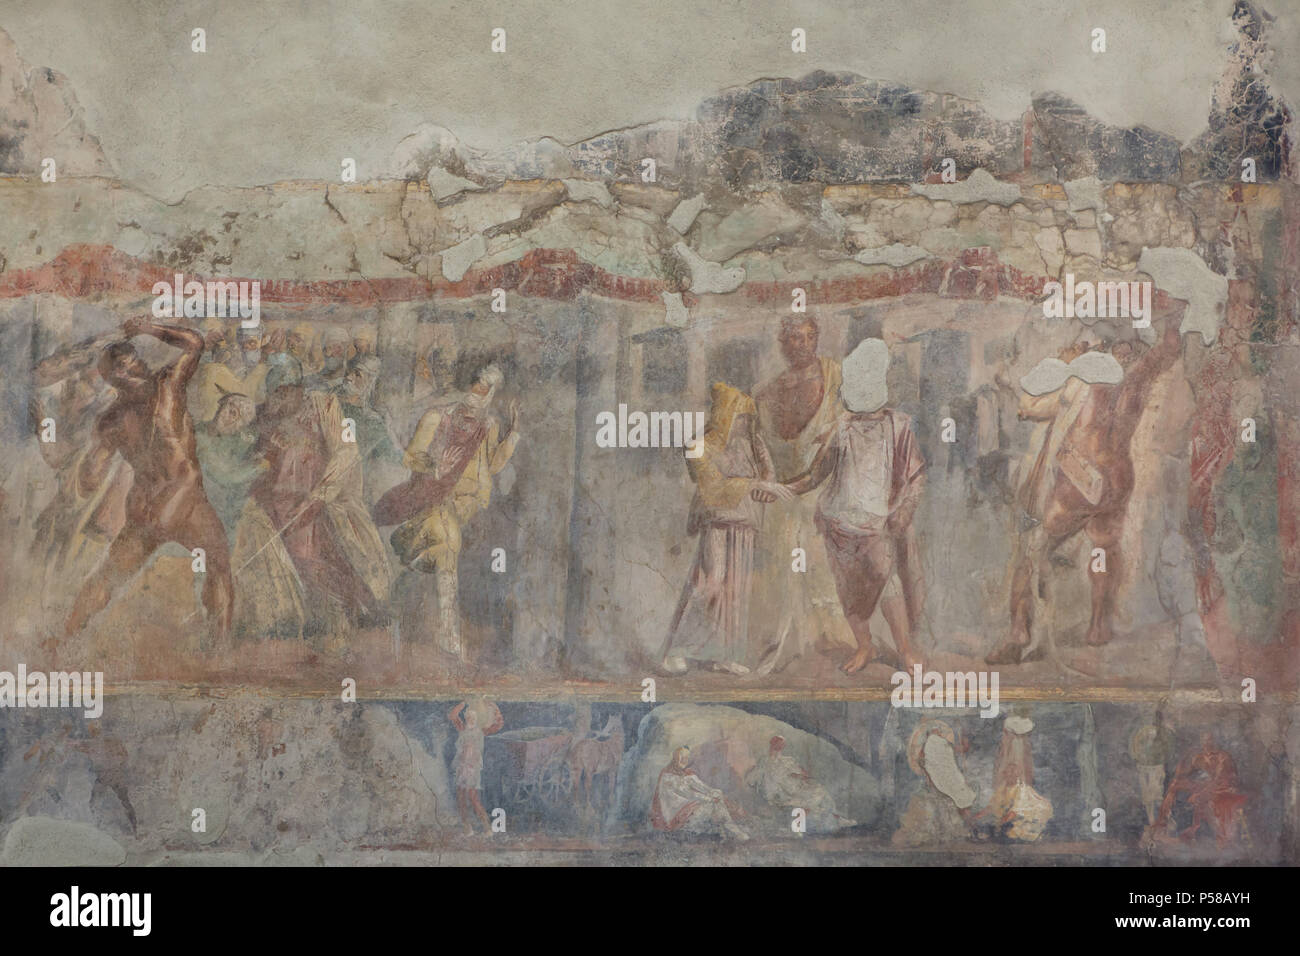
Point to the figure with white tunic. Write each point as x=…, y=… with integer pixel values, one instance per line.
x=467, y=764
x=874, y=475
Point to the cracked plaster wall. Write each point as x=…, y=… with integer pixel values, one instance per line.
x=342, y=80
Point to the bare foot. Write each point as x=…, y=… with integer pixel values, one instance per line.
x=731, y=667
x=1099, y=636
x=1030, y=654
x=1009, y=652
x=861, y=659
x=675, y=665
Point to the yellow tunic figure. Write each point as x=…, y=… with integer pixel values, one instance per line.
x=460, y=448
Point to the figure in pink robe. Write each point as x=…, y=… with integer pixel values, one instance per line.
x=310, y=498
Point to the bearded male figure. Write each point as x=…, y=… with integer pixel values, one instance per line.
x=150, y=427
x=797, y=411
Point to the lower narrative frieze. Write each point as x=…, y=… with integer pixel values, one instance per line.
x=1103, y=783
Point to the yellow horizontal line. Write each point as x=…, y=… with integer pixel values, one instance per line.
x=665, y=693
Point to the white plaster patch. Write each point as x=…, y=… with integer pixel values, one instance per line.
x=582, y=190
x=864, y=388
x=443, y=184
x=685, y=213
x=979, y=186
x=832, y=222
x=708, y=276
x=457, y=259
x=747, y=226
x=896, y=254
x=46, y=841
x=427, y=145
x=1185, y=275
x=1095, y=368
x=544, y=158
x=675, y=312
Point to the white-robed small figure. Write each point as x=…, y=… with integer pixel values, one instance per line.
x=467, y=764
x=685, y=803
x=783, y=782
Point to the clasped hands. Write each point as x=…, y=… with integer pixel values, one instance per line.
x=768, y=491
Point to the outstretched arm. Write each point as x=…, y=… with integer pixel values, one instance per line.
x=1040, y=408
x=766, y=471
x=1139, y=376
x=189, y=341
x=502, y=449
x=454, y=716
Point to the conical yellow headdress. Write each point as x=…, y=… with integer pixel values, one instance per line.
x=728, y=402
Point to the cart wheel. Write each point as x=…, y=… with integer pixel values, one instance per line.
x=554, y=782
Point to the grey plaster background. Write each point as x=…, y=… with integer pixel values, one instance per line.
x=287, y=89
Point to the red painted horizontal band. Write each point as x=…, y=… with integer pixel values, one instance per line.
x=91, y=271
